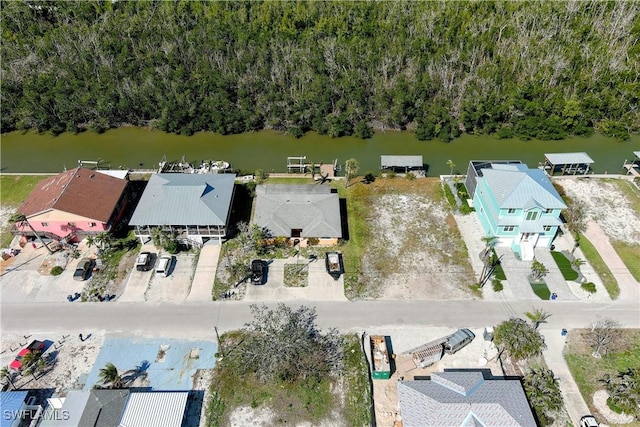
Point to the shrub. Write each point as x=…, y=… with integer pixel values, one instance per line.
x=391, y=174
x=410, y=176
x=369, y=177
x=497, y=285
x=589, y=287
x=57, y=270
x=313, y=241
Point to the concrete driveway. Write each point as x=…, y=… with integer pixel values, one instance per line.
x=20, y=280
x=176, y=286
x=321, y=286
x=138, y=281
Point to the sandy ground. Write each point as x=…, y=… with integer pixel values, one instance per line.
x=412, y=252
x=600, y=401
x=607, y=205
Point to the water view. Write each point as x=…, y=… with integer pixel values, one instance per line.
x=138, y=148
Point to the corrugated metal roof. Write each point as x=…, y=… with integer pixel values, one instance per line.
x=523, y=188
x=185, y=199
x=568, y=158
x=312, y=208
x=453, y=398
x=11, y=402
x=153, y=409
x=401, y=162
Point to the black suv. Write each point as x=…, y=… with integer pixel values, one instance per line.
x=143, y=262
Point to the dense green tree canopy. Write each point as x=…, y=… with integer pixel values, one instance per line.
x=528, y=69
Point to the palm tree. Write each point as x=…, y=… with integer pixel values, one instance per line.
x=109, y=376
x=22, y=219
x=543, y=391
x=451, y=165
x=351, y=168
x=624, y=390
x=489, y=241
x=537, y=316
x=8, y=375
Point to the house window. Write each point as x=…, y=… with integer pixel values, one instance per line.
x=548, y=211
x=44, y=224
x=547, y=228
x=511, y=211
x=509, y=228
x=532, y=215
x=296, y=232
x=92, y=224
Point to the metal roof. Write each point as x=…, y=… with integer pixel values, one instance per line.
x=312, y=208
x=72, y=408
x=401, y=162
x=11, y=402
x=462, y=398
x=185, y=199
x=153, y=409
x=568, y=158
x=516, y=186
x=637, y=153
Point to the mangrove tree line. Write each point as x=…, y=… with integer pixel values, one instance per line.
x=527, y=69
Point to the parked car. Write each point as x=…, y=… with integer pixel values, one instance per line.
x=143, y=262
x=35, y=346
x=83, y=268
x=588, y=421
x=458, y=340
x=164, y=265
x=258, y=272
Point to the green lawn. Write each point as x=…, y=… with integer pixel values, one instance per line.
x=564, y=265
x=588, y=370
x=630, y=256
x=541, y=290
x=598, y=264
x=14, y=189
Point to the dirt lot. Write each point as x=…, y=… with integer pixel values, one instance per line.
x=605, y=203
x=414, y=250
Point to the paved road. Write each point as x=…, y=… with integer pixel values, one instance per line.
x=198, y=319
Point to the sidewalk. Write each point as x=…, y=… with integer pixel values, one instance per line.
x=573, y=401
x=629, y=287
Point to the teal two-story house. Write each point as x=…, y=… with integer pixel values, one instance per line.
x=517, y=205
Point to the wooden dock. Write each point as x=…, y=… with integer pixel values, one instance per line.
x=632, y=169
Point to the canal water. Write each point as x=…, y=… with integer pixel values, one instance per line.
x=139, y=148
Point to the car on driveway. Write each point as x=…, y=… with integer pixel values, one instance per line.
x=83, y=268
x=35, y=346
x=164, y=265
x=143, y=262
x=258, y=272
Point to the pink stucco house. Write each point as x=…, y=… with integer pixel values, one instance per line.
x=74, y=204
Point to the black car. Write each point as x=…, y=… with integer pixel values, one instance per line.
x=258, y=272
x=83, y=268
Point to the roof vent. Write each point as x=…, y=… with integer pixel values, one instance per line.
x=92, y=175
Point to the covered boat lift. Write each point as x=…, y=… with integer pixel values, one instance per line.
x=408, y=163
x=567, y=163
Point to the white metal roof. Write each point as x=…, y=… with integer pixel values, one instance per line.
x=401, y=162
x=153, y=409
x=637, y=153
x=568, y=158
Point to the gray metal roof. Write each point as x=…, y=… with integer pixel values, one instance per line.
x=463, y=398
x=401, y=162
x=637, y=153
x=312, y=208
x=185, y=199
x=568, y=158
x=153, y=409
x=517, y=186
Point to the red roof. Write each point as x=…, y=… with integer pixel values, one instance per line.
x=80, y=191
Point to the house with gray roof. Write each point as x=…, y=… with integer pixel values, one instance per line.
x=98, y=408
x=193, y=207
x=519, y=206
x=299, y=212
x=464, y=398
